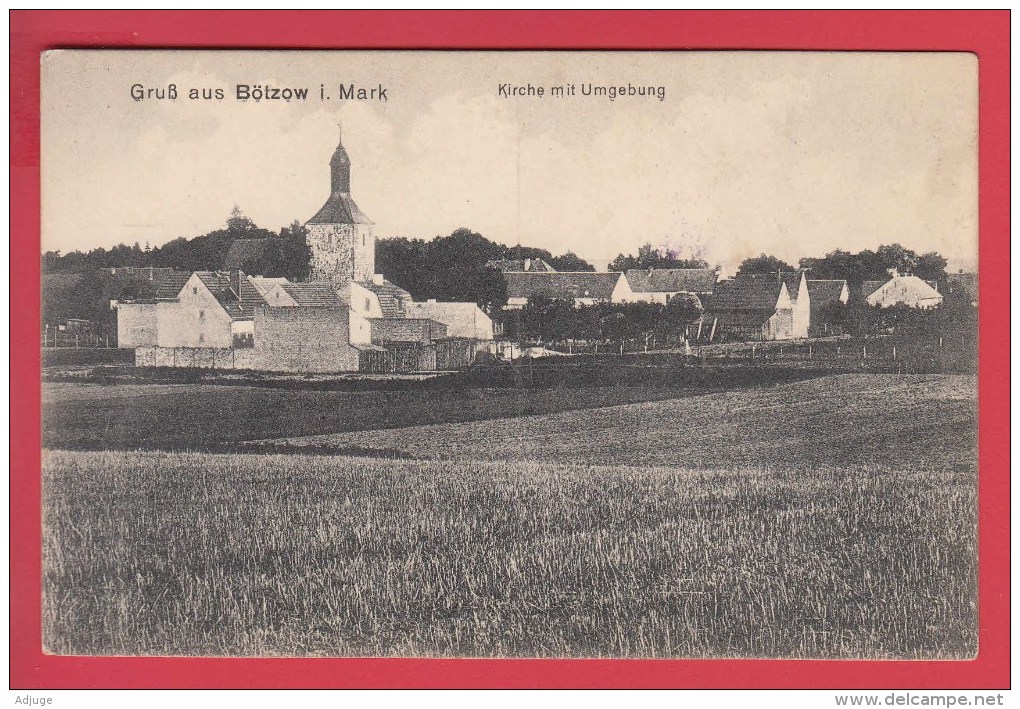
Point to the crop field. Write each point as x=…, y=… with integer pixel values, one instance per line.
x=190, y=416
x=831, y=518
x=168, y=553
x=928, y=421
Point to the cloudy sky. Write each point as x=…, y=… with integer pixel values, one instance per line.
x=793, y=154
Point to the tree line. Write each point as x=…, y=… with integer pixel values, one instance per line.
x=553, y=320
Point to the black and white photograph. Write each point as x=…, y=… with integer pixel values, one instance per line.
x=517, y=354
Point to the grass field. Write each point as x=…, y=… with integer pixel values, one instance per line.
x=926, y=421
x=829, y=518
x=167, y=553
x=189, y=416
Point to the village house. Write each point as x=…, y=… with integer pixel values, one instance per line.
x=901, y=290
x=759, y=307
x=461, y=319
x=580, y=287
x=214, y=309
x=347, y=317
x=826, y=297
x=658, y=285
x=304, y=338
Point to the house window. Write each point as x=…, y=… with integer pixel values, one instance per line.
x=201, y=337
x=362, y=239
x=194, y=290
x=201, y=314
x=368, y=305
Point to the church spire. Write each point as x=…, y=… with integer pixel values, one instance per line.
x=340, y=167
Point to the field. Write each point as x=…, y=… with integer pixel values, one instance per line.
x=876, y=419
x=199, y=416
x=704, y=526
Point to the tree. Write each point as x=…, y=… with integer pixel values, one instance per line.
x=238, y=224
x=763, y=264
x=649, y=256
x=569, y=262
x=932, y=267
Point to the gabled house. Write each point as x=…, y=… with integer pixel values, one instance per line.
x=581, y=287
x=211, y=309
x=658, y=285
x=901, y=290
x=759, y=307
x=136, y=319
x=302, y=295
x=826, y=297
x=263, y=284
x=460, y=319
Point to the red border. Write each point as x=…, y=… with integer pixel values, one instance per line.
x=986, y=33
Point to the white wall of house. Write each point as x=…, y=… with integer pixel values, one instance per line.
x=461, y=319
x=365, y=302
x=277, y=297
x=136, y=325
x=622, y=292
x=905, y=290
x=801, y=310
x=781, y=326
x=196, y=320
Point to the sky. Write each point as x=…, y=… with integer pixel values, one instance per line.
x=787, y=153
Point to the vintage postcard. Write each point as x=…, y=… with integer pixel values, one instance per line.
x=510, y=354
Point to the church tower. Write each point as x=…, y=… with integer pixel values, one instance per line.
x=340, y=235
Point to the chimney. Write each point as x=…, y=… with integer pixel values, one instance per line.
x=377, y=278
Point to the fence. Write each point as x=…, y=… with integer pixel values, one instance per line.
x=948, y=352
x=440, y=356
x=195, y=357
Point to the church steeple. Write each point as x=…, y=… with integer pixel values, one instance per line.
x=340, y=167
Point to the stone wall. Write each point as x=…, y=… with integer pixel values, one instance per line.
x=341, y=253
x=195, y=357
x=304, y=339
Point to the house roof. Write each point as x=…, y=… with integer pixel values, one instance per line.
x=244, y=254
x=530, y=265
x=900, y=287
x=313, y=294
x=869, y=287
x=437, y=308
x=171, y=284
x=561, y=284
x=391, y=297
x=671, y=280
x=263, y=284
x=239, y=304
x=339, y=209
x=746, y=293
x=823, y=292
x=742, y=318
